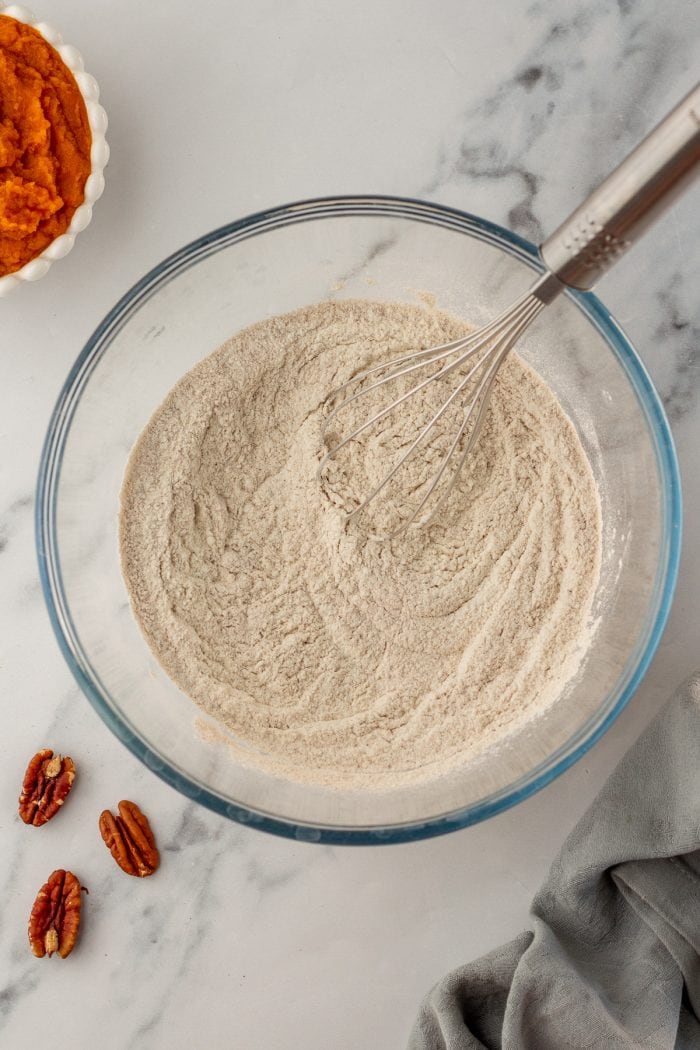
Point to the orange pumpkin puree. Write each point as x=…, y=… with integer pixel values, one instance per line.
x=44, y=144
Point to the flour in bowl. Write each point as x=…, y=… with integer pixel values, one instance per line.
x=328, y=657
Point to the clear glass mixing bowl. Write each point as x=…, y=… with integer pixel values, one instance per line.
x=377, y=248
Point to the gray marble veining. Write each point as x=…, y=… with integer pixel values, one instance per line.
x=512, y=110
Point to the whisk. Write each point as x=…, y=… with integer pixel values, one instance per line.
x=586, y=244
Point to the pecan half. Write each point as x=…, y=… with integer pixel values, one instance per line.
x=55, y=918
x=130, y=840
x=45, y=787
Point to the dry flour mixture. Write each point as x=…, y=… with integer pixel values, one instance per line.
x=330, y=658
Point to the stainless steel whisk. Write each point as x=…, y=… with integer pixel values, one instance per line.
x=586, y=244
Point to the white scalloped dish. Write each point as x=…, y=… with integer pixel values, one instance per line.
x=99, y=154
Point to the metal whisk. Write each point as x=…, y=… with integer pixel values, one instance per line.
x=594, y=237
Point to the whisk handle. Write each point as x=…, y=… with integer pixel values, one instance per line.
x=619, y=211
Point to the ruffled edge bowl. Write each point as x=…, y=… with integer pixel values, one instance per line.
x=99, y=154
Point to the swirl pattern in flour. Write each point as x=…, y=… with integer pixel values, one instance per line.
x=331, y=658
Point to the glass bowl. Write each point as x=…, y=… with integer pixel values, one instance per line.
x=272, y=262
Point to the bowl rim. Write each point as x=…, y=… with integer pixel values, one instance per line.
x=382, y=206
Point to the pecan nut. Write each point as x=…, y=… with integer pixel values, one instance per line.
x=55, y=918
x=130, y=840
x=45, y=787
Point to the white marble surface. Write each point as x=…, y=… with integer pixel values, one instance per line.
x=510, y=109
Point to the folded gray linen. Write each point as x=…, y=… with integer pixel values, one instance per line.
x=613, y=957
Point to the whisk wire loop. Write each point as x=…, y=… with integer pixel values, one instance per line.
x=477, y=404
x=481, y=351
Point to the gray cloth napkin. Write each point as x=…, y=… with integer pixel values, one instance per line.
x=613, y=959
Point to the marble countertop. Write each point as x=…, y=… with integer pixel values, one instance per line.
x=512, y=110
